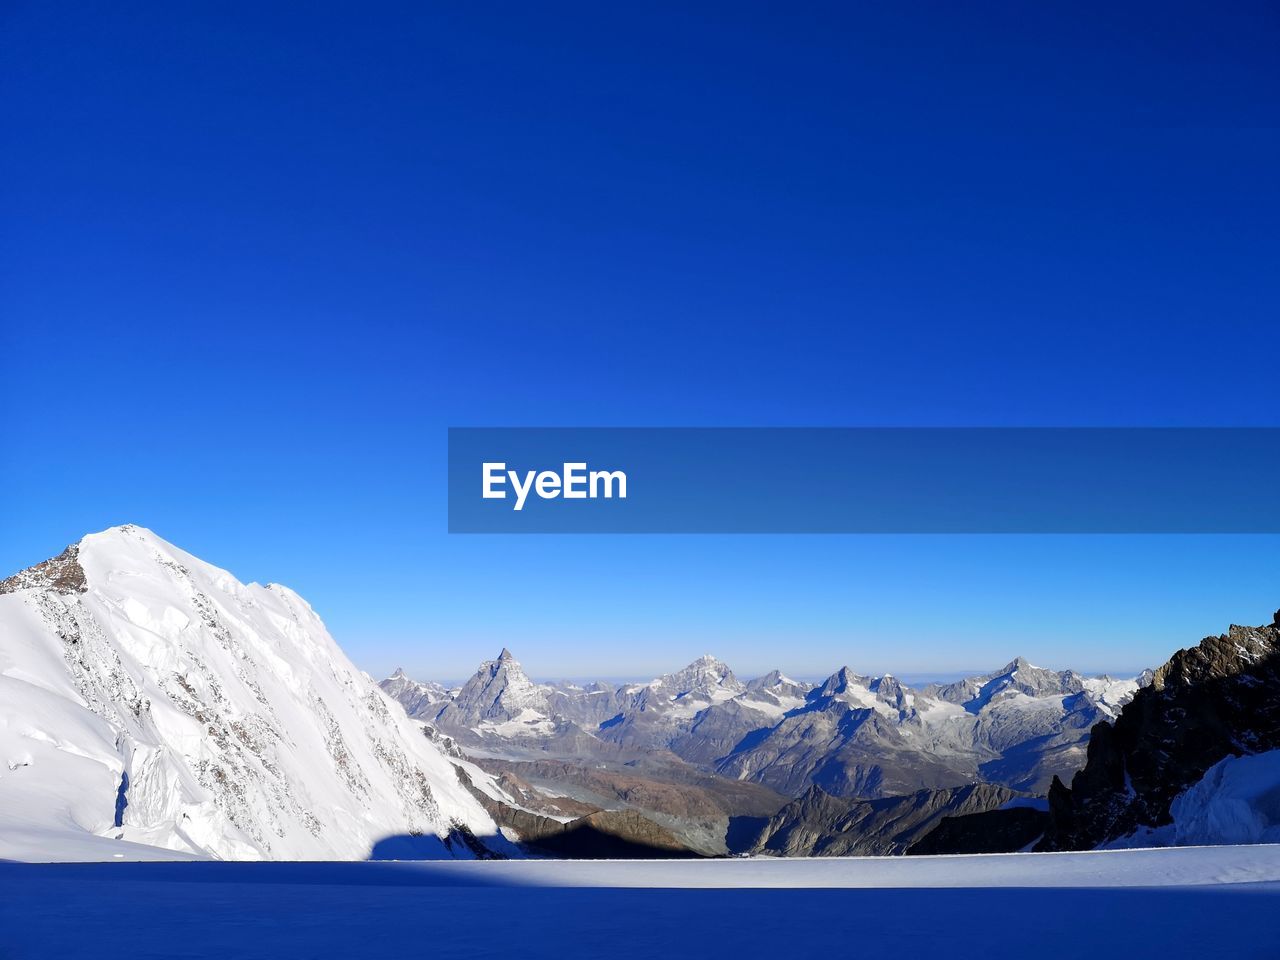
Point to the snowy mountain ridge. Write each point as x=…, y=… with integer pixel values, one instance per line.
x=147, y=697
x=414, y=696
x=853, y=735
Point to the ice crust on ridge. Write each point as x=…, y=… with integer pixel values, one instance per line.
x=159, y=701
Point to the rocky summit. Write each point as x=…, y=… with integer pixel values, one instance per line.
x=1218, y=699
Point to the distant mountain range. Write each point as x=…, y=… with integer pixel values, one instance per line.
x=852, y=735
x=715, y=760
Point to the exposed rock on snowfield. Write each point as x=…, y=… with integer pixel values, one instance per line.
x=1216, y=700
x=148, y=698
x=62, y=575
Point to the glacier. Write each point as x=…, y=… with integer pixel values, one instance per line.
x=1177, y=903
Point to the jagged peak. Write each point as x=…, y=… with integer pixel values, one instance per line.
x=505, y=655
x=838, y=682
x=700, y=676
x=707, y=663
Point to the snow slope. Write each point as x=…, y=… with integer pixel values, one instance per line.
x=149, y=698
x=1237, y=801
x=1186, y=902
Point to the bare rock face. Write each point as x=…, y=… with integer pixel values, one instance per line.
x=62, y=575
x=1220, y=698
x=697, y=808
x=990, y=831
x=820, y=825
x=592, y=833
x=615, y=835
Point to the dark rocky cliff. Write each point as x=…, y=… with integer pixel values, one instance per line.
x=820, y=825
x=1220, y=698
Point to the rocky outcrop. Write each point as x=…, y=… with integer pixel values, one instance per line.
x=697, y=808
x=820, y=825
x=614, y=835
x=991, y=831
x=62, y=575
x=1218, y=699
x=592, y=834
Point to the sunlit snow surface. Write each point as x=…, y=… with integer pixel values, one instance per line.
x=1184, y=902
x=170, y=706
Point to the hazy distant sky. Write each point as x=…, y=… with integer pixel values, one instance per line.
x=255, y=260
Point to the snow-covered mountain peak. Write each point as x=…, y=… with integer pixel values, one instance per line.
x=838, y=683
x=884, y=695
x=147, y=696
x=500, y=699
x=421, y=700
x=705, y=677
x=776, y=681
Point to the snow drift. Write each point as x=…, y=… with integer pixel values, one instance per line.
x=149, y=698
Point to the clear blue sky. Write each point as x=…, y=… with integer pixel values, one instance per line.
x=256, y=258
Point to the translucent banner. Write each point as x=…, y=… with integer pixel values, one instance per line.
x=864, y=480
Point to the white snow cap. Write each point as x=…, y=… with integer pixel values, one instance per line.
x=169, y=704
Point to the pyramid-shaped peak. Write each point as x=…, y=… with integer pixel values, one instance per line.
x=838, y=682
x=505, y=654
x=777, y=680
